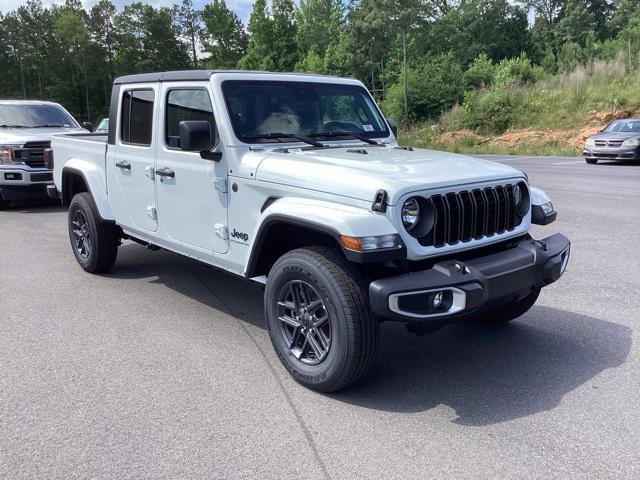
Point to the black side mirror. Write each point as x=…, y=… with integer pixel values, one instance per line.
x=195, y=136
x=393, y=125
x=88, y=126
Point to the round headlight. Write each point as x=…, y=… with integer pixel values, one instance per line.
x=410, y=214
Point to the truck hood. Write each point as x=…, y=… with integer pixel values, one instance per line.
x=350, y=172
x=19, y=136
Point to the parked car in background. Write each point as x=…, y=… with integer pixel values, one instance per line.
x=620, y=140
x=103, y=126
x=26, y=128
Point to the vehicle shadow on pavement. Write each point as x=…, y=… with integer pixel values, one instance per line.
x=34, y=206
x=486, y=374
x=491, y=374
x=623, y=163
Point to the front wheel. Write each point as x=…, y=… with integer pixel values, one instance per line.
x=94, y=242
x=318, y=318
x=510, y=311
x=591, y=161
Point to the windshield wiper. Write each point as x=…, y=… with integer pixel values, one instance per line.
x=14, y=126
x=279, y=136
x=331, y=134
x=49, y=126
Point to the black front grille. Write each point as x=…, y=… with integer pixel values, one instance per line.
x=41, y=177
x=471, y=214
x=32, y=153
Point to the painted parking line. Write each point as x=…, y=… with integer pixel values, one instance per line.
x=569, y=163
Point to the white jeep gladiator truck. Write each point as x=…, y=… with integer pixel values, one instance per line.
x=26, y=128
x=297, y=182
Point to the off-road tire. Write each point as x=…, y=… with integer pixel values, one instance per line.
x=103, y=235
x=354, y=331
x=510, y=311
x=591, y=161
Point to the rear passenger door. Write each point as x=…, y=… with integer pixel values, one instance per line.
x=192, y=202
x=132, y=170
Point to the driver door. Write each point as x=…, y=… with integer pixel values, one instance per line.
x=191, y=191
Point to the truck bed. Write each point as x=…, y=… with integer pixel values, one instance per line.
x=69, y=149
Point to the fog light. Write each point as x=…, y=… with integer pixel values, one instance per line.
x=437, y=300
x=565, y=261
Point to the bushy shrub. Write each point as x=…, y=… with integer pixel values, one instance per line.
x=480, y=73
x=492, y=111
x=519, y=70
x=433, y=86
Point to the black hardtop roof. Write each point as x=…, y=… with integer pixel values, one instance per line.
x=193, y=75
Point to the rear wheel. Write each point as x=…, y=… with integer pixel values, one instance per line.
x=94, y=242
x=510, y=311
x=591, y=161
x=4, y=204
x=318, y=318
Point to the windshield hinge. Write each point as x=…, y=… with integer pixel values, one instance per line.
x=380, y=201
x=221, y=231
x=220, y=184
x=152, y=213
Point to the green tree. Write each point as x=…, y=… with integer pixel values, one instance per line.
x=102, y=30
x=284, y=44
x=148, y=41
x=260, y=28
x=320, y=24
x=189, y=25
x=224, y=38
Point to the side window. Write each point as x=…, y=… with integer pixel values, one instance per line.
x=184, y=105
x=137, y=117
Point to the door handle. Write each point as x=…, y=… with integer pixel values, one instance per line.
x=124, y=165
x=165, y=172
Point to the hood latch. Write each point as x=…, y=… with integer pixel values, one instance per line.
x=380, y=201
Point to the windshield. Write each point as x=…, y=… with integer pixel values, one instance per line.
x=33, y=116
x=103, y=125
x=624, y=126
x=261, y=109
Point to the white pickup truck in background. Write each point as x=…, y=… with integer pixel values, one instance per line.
x=26, y=128
x=297, y=182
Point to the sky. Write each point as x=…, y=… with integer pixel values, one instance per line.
x=241, y=7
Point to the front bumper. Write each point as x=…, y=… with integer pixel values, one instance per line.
x=611, y=153
x=471, y=286
x=19, y=182
x=24, y=176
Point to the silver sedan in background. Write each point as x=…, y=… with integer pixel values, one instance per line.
x=620, y=140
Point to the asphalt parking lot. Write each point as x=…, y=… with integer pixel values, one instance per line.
x=163, y=368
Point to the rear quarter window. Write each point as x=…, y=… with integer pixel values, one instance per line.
x=137, y=117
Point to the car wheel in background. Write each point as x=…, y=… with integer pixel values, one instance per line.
x=591, y=161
